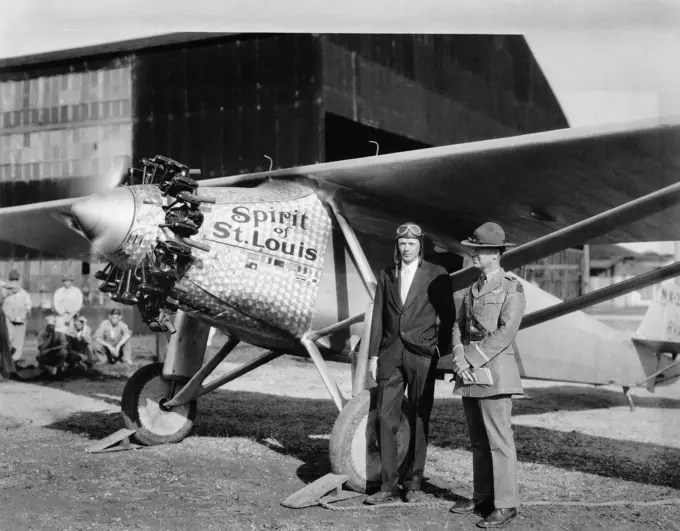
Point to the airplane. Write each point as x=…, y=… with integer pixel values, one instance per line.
x=286, y=260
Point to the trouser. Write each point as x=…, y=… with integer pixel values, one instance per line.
x=17, y=334
x=124, y=354
x=6, y=362
x=82, y=353
x=52, y=357
x=494, y=459
x=416, y=374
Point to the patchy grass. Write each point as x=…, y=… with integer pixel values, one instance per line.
x=265, y=435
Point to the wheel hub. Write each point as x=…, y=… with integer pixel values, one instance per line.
x=153, y=414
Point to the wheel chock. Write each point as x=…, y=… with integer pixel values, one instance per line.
x=317, y=490
x=341, y=496
x=116, y=442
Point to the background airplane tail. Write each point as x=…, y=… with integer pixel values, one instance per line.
x=659, y=334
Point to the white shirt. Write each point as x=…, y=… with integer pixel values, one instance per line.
x=408, y=271
x=68, y=300
x=17, y=306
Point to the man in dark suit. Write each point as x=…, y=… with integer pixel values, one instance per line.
x=405, y=344
x=487, y=376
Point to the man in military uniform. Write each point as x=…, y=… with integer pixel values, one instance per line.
x=487, y=375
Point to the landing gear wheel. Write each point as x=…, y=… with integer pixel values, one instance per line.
x=354, y=444
x=140, y=405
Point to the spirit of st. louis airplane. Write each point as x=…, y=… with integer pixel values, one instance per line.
x=286, y=260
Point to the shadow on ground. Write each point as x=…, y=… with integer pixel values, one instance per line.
x=299, y=427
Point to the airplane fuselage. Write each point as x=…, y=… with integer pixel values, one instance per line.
x=271, y=265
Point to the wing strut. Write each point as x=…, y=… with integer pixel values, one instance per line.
x=579, y=233
x=597, y=296
x=359, y=375
x=359, y=370
x=192, y=389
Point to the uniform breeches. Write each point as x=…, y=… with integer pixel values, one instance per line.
x=494, y=459
x=416, y=375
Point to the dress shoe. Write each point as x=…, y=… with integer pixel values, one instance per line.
x=498, y=518
x=414, y=496
x=382, y=497
x=469, y=506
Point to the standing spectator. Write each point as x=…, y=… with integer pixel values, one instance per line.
x=113, y=337
x=16, y=307
x=7, y=369
x=68, y=301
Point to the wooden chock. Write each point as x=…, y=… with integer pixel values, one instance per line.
x=311, y=494
x=116, y=442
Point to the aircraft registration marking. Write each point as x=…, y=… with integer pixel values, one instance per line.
x=662, y=320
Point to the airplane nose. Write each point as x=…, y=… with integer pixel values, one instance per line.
x=106, y=219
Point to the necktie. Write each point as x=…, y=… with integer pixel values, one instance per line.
x=482, y=280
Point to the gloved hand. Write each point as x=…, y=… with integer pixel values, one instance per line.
x=373, y=368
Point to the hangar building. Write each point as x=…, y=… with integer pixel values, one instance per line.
x=221, y=102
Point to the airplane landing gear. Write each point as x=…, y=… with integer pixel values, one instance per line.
x=354, y=445
x=143, y=411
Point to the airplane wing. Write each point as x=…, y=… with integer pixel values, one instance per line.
x=532, y=185
x=47, y=227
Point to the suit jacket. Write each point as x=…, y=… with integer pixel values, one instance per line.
x=498, y=307
x=411, y=325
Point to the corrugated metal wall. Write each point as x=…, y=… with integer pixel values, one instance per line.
x=222, y=105
x=59, y=126
x=438, y=89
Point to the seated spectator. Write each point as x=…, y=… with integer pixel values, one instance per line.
x=79, y=339
x=52, y=348
x=113, y=339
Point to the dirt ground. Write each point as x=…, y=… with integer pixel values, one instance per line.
x=264, y=436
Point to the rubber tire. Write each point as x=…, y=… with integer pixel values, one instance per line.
x=179, y=420
x=354, y=417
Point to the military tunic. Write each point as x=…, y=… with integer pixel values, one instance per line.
x=484, y=331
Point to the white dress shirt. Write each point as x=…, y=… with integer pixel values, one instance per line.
x=407, y=273
x=68, y=300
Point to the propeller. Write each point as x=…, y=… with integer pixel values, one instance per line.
x=110, y=176
x=85, y=207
